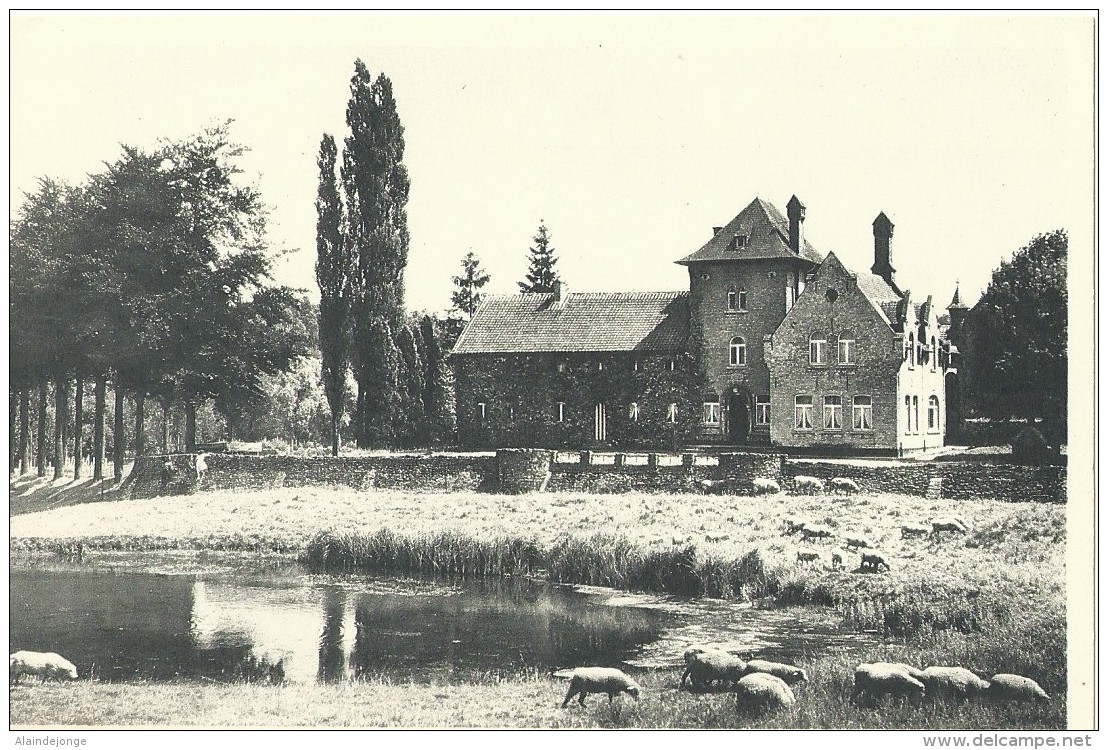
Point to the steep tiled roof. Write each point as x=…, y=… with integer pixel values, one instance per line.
x=582, y=322
x=880, y=293
x=767, y=233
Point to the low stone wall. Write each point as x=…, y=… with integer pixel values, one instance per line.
x=962, y=480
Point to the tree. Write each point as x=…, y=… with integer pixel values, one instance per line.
x=541, y=275
x=334, y=271
x=467, y=293
x=376, y=186
x=1016, y=339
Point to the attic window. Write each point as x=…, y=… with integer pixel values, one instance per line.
x=738, y=242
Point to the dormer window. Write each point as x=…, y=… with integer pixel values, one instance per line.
x=738, y=242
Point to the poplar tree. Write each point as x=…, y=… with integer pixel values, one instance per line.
x=333, y=269
x=541, y=275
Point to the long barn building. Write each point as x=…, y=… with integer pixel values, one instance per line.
x=774, y=344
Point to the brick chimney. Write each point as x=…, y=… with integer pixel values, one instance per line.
x=560, y=291
x=882, y=258
x=716, y=230
x=796, y=224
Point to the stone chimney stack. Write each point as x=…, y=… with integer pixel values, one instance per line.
x=560, y=291
x=882, y=257
x=716, y=230
x=796, y=224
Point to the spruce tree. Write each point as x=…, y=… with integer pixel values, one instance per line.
x=333, y=270
x=467, y=293
x=541, y=275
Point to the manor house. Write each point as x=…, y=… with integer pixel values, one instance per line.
x=774, y=344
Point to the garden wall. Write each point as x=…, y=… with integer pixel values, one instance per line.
x=586, y=472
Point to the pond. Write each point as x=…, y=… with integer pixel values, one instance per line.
x=166, y=617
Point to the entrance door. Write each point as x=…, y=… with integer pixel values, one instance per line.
x=600, y=424
x=738, y=418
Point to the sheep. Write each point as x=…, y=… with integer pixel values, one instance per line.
x=201, y=466
x=842, y=484
x=807, y=485
x=715, y=486
x=766, y=486
x=873, y=561
x=790, y=674
x=1016, y=688
x=914, y=672
x=814, y=531
x=47, y=666
x=806, y=555
x=761, y=691
x=836, y=560
x=875, y=681
x=947, y=524
x=706, y=665
x=857, y=542
x=953, y=682
x=914, y=529
x=585, y=680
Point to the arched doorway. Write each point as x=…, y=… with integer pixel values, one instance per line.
x=739, y=408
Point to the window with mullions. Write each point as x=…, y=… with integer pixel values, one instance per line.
x=832, y=412
x=803, y=413
x=863, y=413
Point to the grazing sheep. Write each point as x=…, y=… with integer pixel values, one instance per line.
x=766, y=486
x=704, y=666
x=914, y=672
x=585, y=680
x=815, y=531
x=201, y=466
x=1014, y=687
x=873, y=561
x=872, y=682
x=836, y=560
x=857, y=542
x=807, y=485
x=842, y=484
x=914, y=529
x=48, y=666
x=790, y=674
x=806, y=555
x=712, y=486
x=763, y=692
x=947, y=524
x=952, y=682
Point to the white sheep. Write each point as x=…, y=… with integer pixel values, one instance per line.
x=842, y=484
x=874, y=561
x=790, y=674
x=706, y=665
x=1016, y=687
x=914, y=672
x=48, y=666
x=857, y=542
x=875, y=681
x=766, y=486
x=815, y=531
x=761, y=691
x=807, y=485
x=715, y=486
x=913, y=529
x=806, y=555
x=585, y=680
x=953, y=682
x=201, y=466
x=947, y=524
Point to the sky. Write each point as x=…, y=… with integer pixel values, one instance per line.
x=629, y=135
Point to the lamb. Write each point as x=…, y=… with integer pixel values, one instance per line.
x=585, y=680
x=872, y=682
x=873, y=561
x=761, y=691
x=1015, y=687
x=815, y=531
x=842, y=484
x=790, y=674
x=947, y=524
x=807, y=485
x=704, y=666
x=766, y=486
x=857, y=542
x=48, y=666
x=806, y=555
x=953, y=682
x=914, y=529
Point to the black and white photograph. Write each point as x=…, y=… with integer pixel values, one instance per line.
x=552, y=371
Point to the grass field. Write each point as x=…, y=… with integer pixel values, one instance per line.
x=992, y=600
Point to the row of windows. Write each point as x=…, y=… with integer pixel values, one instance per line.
x=861, y=413
x=761, y=411
x=911, y=414
x=845, y=349
x=917, y=352
x=560, y=412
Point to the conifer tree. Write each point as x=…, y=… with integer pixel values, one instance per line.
x=541, y=275
x=467, y=293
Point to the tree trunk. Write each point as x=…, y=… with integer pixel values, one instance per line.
x=78, y=418
x=165, y=425
x=13, y=413
x=40, y=453
x=66, y=430
x=334, y=436
x=99, y=407
x=59, y=426
x=119, y=440
x=230, y=427
x=190, y=426
x=362, y=429
x=24, y=429
x=140, y=424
